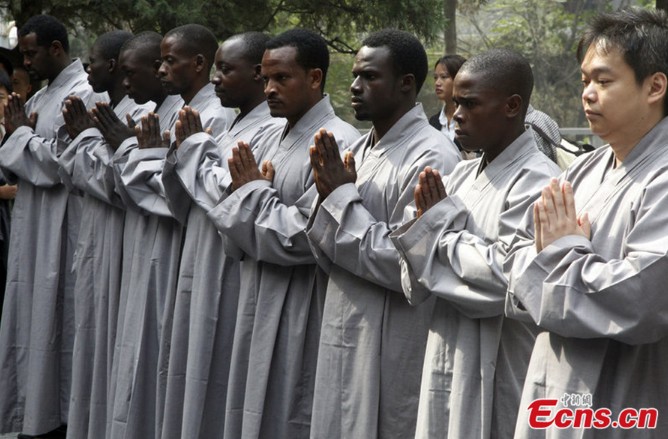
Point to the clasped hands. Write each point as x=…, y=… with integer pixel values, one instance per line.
x=15, y=115
x=554, y=215
x=329, y=170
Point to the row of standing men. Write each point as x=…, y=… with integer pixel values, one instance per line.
x=165, y=285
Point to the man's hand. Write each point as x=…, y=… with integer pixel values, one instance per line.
x=148, y=135
x=554, y=215
x=429, y=190
x=111, y=127
x=189, y=123
x=76, y=117
x=15, y=115
x=329, y=171
x=244, y=169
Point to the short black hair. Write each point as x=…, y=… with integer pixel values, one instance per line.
x=47, y=29
x=504, y=70
x=312, y=52
x=452, y=63
x=254, y=44
x=196, y=39
x=110, y=43
x=147, y=42
x=408, y=54
x=641, y=36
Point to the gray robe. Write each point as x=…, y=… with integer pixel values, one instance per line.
x=602, y=300
x=476, y=359
x=140, y=266
x=204, y=316
x=151, y=295
x=280, y=304
x=84, y=166
x=38, y=316
x=372, y=341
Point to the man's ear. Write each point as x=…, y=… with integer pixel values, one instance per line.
x=316, y=77
x=657, y=87
x=513, y=106
x=257, y=72
x=408, y=83
x=56, y=48
x=112, y=65
x=200, y=62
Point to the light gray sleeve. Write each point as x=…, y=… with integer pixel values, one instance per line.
x=463, y=268
x=259, y=224
x=571, y=290
x=199, y=169
x=33, y=158
x=141, y=179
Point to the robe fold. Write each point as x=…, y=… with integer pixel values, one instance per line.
x=270, y=388
x=475, y=361
x=372, y=341
x=138, y=409
x=602, y=300
x=85, y=167
x=205, y=309
x=37, y=328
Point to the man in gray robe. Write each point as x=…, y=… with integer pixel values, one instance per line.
x=591, y=266
x=476, y=359
x=280, y=305
x=187, y=54
x=100, y=245
x=372, y=341
x=207, y=292
x=37, y=329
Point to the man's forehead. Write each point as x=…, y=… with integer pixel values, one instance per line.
x=28, y=41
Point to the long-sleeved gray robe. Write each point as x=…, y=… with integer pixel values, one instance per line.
x=476, y=360
x=208, y=286
x=280, y=304
x=38, y=315
x=84, y=167
x=372, y=340
x=139, y=230
x=138, y=409
x=602, y=300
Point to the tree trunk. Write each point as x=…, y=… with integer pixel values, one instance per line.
x=450, y=32
x=662, y=4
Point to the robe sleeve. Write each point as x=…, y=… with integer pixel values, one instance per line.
x=571, y=290
x=33, y=158
x=352, y=238
x=197, y=167
x=444, y=259
x=86, y=165
x=141, y=179
x=255, y=220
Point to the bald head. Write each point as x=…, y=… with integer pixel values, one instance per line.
x=145, y=45
x=504, y=70
x=252, y=45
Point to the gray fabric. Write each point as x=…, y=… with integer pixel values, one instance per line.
x=98, y=268
x=37, y=329
x=141, y=178
x=603, y=301
x=198, y=346
x=281, y=296
x=151, y=245
x=372, y=341
x=476, y=359
x=548, y=127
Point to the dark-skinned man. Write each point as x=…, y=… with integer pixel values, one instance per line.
x=208, y=286
x=38, y=316
x=275, y=342
x=187, y=54
x=100, y=244
x=476, y=359
x=372, y=341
